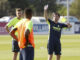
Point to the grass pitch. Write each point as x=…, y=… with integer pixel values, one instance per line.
x=70, y=47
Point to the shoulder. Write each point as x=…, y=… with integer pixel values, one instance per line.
x=20, y=22
x=63, y=25
x=11, y=21
x=49, y=21
x=14, y=18
x=30, y=23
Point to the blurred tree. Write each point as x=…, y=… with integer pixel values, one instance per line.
x=8, y=6
x=62, y=10
x=36, y=5
x=18, y=3
x=4, y=8
x=39, y=4
x=75, y=9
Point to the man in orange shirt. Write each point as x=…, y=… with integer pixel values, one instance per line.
x=25, y=36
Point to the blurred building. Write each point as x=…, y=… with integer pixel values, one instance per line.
x=64, y=2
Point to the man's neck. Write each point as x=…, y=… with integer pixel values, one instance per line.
x=19, y=18
x=29, y=18
x=55, y=21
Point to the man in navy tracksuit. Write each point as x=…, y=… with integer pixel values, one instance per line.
x=54, y=45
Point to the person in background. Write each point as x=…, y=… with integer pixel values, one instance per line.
x=12, y=23
x=54, y=45
x=63, y=20
x=25, y=36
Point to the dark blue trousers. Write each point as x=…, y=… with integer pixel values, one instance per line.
x=27, y=53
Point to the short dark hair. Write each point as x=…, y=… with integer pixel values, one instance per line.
x=18, y=9
x=28, y=12
x=56, y=13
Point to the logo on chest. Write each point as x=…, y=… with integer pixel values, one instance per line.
x=56, y=28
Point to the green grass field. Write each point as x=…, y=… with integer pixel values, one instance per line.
x=70, y=47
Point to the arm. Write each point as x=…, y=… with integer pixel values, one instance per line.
x=27, y=32
x=7, y=29
x=10, y=24
x=45, y=12
x=12, y=33
x=69, y=25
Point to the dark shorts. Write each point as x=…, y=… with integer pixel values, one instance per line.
x=27, y=53
x=54, y=48
x=15, y=47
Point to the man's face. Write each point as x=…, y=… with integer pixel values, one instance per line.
x=18, y=13
x=55, y=17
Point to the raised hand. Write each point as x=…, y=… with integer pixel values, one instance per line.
x=46, y=7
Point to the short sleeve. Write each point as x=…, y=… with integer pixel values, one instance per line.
x=64, y=25
x=49, y=21
x=16, y=26
x=30, y=26
x=10, y=23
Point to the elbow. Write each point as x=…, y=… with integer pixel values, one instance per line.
x=6, y=27
x=27, y=32
x=70, y=26
x=12, y=33
x=45, y=18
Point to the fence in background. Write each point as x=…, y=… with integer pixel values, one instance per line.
x=43, y=28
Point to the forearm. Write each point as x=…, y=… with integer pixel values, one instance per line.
x=7, y=29
x=69, y=25
x=27, y=32
x=26, y=36
x=12, y=33
x=45, y=14
x=14, y=36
